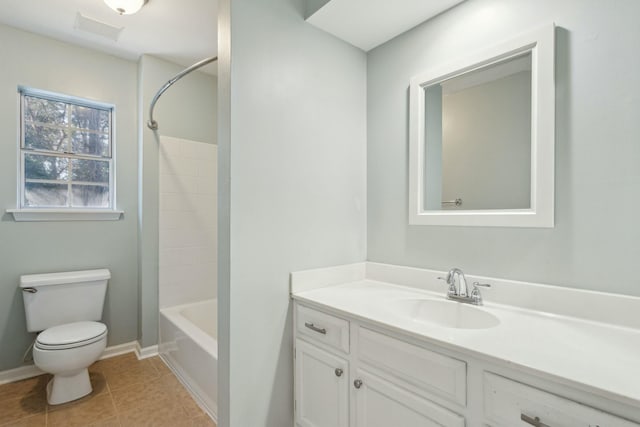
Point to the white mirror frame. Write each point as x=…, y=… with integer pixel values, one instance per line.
x=541, y=44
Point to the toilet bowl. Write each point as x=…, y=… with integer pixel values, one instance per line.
x=66, y=351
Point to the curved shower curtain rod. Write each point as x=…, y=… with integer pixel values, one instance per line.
x=152, y=124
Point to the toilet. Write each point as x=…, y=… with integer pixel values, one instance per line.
x=65, y=308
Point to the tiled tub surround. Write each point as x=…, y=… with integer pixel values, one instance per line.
x=187, y=221
x=126, y=392
x=188, y=264
x=582, y=342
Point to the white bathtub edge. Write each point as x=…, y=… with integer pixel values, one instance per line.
x=186, y=349
x=195, y=391
x=205, y=341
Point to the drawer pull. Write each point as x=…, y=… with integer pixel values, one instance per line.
x=338, y=372
x=533, y=421
x=357, y=383
x=314, y=328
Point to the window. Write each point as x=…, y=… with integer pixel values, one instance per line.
x=66, y=152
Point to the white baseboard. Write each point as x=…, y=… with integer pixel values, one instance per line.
x=29, y=371
x=21, y=373
x=117, y=350
x=146, y=352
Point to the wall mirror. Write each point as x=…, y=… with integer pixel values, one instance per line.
x=482, y=137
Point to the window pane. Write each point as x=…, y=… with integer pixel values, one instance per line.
x=44, y=111
x=44, y=138
x=38, y=166
x=94, y=144
x=43, y=195
x=66, y=146
x=90, y=170
x=90, y=118
x=90, y=196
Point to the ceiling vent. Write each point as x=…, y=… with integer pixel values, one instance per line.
x=97, y=28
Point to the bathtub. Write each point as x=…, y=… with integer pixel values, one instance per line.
x=189, y=346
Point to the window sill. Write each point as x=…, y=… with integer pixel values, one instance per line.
x=21, y=215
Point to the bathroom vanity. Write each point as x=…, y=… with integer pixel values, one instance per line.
x=379, y=345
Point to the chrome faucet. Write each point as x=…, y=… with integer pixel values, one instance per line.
x=461, y=292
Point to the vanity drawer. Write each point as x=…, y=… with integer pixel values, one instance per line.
x=429, y=371
x=507, y=403
x=323, y=327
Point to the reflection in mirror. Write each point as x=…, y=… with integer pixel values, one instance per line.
x=477, y=138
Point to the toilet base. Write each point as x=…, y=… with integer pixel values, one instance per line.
x=67, y=387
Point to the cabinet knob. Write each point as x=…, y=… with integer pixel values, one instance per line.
x=357, y=383
x=338, y=372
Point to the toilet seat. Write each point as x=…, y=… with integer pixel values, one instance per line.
x=71, y=335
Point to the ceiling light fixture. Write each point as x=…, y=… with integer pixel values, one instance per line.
x=126, y=7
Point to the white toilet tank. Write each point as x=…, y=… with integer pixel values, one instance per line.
x=56, y=298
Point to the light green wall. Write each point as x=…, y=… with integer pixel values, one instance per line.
x=291, y=190
x=39, y=62
x=596, y=241
x=186, y=110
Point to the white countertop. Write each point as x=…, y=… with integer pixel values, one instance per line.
x=598, y=355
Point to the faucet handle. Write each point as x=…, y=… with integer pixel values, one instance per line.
x=475, y=294
x=452, y=286
x=484, y=285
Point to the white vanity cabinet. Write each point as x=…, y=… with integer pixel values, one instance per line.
x=349, y=372
x=347, y=375
x=321, y=369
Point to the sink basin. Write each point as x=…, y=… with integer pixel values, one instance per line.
x=448, y=314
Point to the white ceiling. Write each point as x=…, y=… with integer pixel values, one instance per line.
x=180, y=31
x=369, y=23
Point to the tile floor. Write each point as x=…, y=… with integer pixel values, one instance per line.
x=127, y=392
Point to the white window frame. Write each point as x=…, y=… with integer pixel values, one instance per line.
x=64, y=213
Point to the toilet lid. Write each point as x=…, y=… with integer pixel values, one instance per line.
x=71, y=335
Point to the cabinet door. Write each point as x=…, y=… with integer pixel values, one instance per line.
x=321, y=388
x=380, y=403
